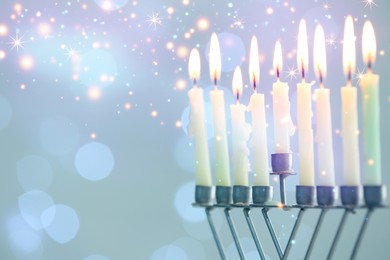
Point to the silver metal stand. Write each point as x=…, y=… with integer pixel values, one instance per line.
x=254, y=233
x=217, y=240
x=234, y=234
x=326, y=196
x=283, y=254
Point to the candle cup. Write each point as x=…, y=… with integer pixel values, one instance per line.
x=305, y=195
x=262, y=194
x=374, y=195
x=281, y=163
x=223, y=195
x=203, y=194
x=326, y=195
x=241, y=194
x=350, y=195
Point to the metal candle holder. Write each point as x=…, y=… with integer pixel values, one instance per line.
x=374, y=197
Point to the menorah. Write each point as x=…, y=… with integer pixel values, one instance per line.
x=239, y=197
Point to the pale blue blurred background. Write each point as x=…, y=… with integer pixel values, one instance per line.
x=95, y=161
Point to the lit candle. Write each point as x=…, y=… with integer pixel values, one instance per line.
x=305, y=131
x=350, y=131
x=371, y=131
x=240, y=134
x=259, y=126
x=324, y=121
x=222, y=170
x=283, y=126
x=197, y=123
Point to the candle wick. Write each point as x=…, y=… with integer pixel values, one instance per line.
x=194, y=82
x=321, y=80
x=277, y=73
x=238, y=97
x=349, y=74
x=254, y=83
x=369, y=65
x=215, y=82
x=303, y=73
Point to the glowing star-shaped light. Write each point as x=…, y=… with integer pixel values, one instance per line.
x=368, y=3
x=17, y=42
x=154, y=20
x=292, y=73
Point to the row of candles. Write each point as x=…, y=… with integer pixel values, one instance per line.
x=283, y=126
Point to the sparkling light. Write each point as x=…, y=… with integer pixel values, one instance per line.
x=292, y=73
x=368, y=3
x=2, y=55
x=44, y=29
x=203, y=24
x=270, y=10
x=26, y=62
x=154, y=113
x=94, y=93
x=154, y=20
x=238, y=23
x=17, y=42
x=3, y=29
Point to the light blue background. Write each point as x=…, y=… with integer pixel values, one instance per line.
x=141, y=209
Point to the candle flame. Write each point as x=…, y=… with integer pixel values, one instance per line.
x=349, y=49
x=254, y=67
x=319, y=52
x=278, y=59
x=215, y=59
x=194, y=65
x=303, y=49
x=369, y=44
x=237, y=82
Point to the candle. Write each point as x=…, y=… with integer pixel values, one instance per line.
x=259, y=126
x=240, y=134
x=197, y=123
x=371, y=131
x=283, y=126
x=324, y=122
x=222, y=170
x=350, y=131
x=305, y=131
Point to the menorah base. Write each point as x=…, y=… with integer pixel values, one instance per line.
x=223, y=194
x=374, y=195
x=262, y=194
x=350, y=195
x=203, y=194
x=241, y=194
x=305, y=195
x=326, y=195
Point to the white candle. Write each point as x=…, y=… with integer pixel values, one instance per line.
x=283, y=127
x=222, y=169
x=197, y=123
x=240, y=134
x=350, y=131
x=371, y=125
x=324, y=121
x=259, y=126
x=305, y=131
